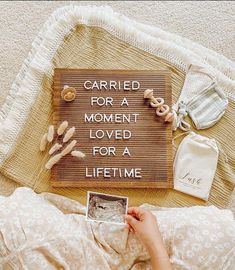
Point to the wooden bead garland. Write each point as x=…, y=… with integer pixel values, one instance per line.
x=162, y=109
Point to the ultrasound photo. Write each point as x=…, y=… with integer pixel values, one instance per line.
x=106, y=208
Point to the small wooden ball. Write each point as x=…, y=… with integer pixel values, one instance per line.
x=169, y=117
x=163, y=110
x=158, y=102
x=148, y=93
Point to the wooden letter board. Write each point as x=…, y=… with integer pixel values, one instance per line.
x=149, y=149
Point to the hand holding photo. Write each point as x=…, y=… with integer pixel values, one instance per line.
x=106, y=208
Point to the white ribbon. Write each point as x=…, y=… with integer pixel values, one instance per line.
x=180, y=113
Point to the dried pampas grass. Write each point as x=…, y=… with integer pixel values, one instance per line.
x=55, y=148
x=50, y=134
x=69, y=148
x=78, y=154
x=52, y=161
x=61, y=129
x=50, y=137
x=68, y=135
x=43, y=142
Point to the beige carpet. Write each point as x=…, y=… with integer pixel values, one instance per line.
x=208, y=23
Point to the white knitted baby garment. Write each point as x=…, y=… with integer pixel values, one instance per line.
x=201, y=99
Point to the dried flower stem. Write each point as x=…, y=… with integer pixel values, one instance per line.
x=78, y=154
x=54, y=148
x=68, y=135
x=43, y=143
x=61, y=129
x=50, y=134
x=69, y=148
x=52, y=161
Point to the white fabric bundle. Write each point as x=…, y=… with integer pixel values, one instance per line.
x=195, y=165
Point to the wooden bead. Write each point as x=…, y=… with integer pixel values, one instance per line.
x=158, y=102
x=148, y=93
x=163, y=110
x=169, y=117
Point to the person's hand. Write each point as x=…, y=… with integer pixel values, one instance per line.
x=144, y=224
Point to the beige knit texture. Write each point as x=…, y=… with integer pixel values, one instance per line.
x=93, y=47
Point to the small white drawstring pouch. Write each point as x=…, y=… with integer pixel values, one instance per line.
x=195, y=165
